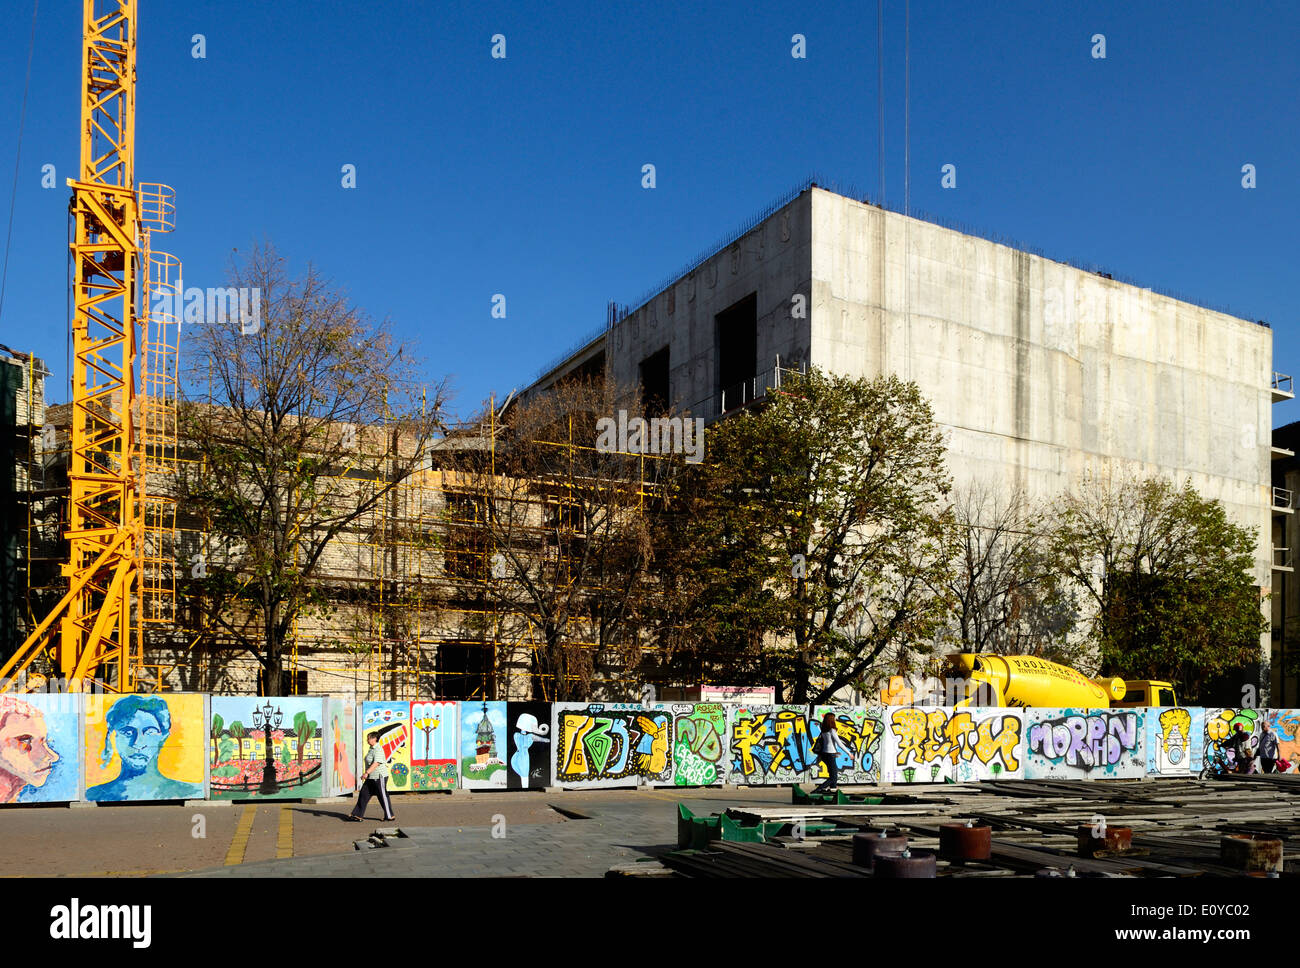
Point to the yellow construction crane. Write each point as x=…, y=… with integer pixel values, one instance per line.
x=120, y=429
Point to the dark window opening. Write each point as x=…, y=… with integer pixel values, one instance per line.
x=736, y=343
x=654, y=383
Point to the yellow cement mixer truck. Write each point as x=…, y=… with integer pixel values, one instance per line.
x=1025, y=680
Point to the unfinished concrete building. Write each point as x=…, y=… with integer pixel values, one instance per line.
x=1043, y=374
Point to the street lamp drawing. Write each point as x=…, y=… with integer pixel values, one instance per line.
x=268, y=718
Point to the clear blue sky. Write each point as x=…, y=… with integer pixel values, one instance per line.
x=522, y=176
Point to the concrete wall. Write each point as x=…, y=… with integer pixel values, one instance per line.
x=772, y=260
x=1042, y=374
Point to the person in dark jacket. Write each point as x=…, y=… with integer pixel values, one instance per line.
x=827, y=750
x=1267, y=749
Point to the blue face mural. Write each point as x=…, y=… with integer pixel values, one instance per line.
x=138, y=728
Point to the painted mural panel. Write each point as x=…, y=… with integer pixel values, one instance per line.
x=611, y=744
x=341, y=739
x=483, y=745
x=932, y=744
x=529, y=728
x=40, y=748
x=1286, y=723
x=859, y=729
x=770, y=744
x=1174, y=740
x=435, y=744
x=1085, y=744
x=144, y=747
x=1222, y=722
x=241, y=767
x=699, y=742
x=391, y=719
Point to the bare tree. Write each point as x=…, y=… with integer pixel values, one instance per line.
x=296, y=425
x=1009, y=596
x=560, y=529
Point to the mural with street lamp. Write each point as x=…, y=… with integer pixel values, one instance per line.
x=265, y=747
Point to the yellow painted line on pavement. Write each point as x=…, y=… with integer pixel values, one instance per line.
x=284, y=842
x=235, y=855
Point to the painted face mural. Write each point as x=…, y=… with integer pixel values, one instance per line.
x=136, y=731
x=26, y=757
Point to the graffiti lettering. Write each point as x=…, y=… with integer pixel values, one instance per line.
x=1086, y=741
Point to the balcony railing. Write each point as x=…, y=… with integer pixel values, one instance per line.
x=1282, y=559
x=1282, y=499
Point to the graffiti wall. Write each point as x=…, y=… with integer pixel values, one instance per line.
x=1220, y=723
x=242, y=765
x=483, y=745
x=145, y=747
x=931, y=744
x=699, y=742
x=1174, y=740
x=341, y=743
x=769, y=744
x=529, y=728
x=1286, y=723
x=611, y=744
x=435, y=744
x=859, y=729
x=40, y=748
x=1085, y=744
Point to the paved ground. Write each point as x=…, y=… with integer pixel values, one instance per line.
x=446, y=835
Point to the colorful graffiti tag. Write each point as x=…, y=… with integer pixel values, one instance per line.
x=929, y=744
x=1220, y=723
x=529, y=727
x=1173, y=740
x=699, y=738
x=40, y=748
x=241, y=766
x=435, y=745
x=482, y=745
x=1084, y=744
x=144, y=747
x=859, y=729
x=611, y=744
x=770, y=744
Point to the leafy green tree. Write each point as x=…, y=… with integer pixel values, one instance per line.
x=306, y=731
x=815, y=539
x=238, y=733
x=218, y=725
x=1171, y=581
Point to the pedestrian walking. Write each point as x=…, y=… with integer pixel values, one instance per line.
x=375, y=782
x=827, y=750
x=1268, y=749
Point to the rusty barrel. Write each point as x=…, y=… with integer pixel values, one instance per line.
x=868, y=843
x=1252, y=853
x=1115, y=838
x=910, y=864
x=960, y=842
